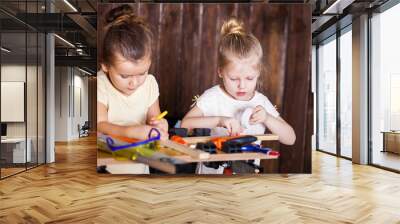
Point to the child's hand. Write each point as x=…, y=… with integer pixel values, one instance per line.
x=163, y=134
x=259, y=115
x=142, y=132
x=232, y=125
x=161, y=125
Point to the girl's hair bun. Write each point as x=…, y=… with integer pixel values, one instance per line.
x=126, y=34
x=233, y=26
x=120, y=14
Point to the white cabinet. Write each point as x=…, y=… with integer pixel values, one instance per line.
x=18, y=149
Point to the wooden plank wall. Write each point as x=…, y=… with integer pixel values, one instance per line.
x=185, y=59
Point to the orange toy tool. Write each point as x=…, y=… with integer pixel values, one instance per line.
x=218, y=141
x=178, y=139
x=242, y=140
x=123, y=138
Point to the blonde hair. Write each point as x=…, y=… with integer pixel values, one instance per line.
x=237, y=42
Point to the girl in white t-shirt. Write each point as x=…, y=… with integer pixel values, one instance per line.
x=224, y=108
x=127, y=96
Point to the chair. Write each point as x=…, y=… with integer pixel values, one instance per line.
x=84, y=130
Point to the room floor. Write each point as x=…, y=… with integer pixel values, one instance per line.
x=71, y=191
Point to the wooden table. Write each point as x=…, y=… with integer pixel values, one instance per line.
x=171, y=153
x=391, y=141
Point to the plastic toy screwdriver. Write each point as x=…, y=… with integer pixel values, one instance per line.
x=162, y=115
x=219, y=140
x=243, y=140
x=178, y=139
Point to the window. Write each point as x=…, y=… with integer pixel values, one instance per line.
x=22, y=76
x=346, y=93
x=385, y=85
x=326, y=91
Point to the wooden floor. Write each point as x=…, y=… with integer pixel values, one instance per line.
x=5, y=172
x=10, y=171
x=70, y=191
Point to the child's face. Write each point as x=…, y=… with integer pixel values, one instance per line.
x=240, y=78
x=127, y=75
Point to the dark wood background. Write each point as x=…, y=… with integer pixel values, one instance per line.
x=185, y=59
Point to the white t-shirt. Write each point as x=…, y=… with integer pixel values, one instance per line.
x=215, y=102
x=127, y=110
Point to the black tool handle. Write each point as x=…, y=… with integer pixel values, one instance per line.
x=182, y=132
x=243, y=140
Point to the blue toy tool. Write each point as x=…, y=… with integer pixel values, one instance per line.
x=110, y=141
x=254, y=148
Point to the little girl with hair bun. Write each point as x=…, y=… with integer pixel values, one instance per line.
x=222, y=107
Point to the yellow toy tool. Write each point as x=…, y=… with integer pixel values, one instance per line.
x=160, y=116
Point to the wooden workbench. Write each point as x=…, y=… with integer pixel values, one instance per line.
x=171, y=153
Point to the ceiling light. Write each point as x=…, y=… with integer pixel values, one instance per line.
x=338, y=6
x=84, y=71
x=70, y=5
x=65, y=41
x=5, y=50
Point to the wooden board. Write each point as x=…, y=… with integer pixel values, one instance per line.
x=228, y=157
x=105, y=159
x=194, y=153
x=170, y=154
x=194, y=140
x=220, y=156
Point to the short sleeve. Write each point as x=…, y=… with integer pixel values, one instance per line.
x=154, y=92
x=102, y=95
x=270, y=108
x=205, y=102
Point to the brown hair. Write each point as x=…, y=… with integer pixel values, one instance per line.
x=127, y=35
x=237, y=42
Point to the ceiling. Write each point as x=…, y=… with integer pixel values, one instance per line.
x=76, y=22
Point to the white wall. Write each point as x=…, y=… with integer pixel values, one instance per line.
x=33, y=127
x=13, y=73
x=80, y=110
x=71, y=94
x=61, y=103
